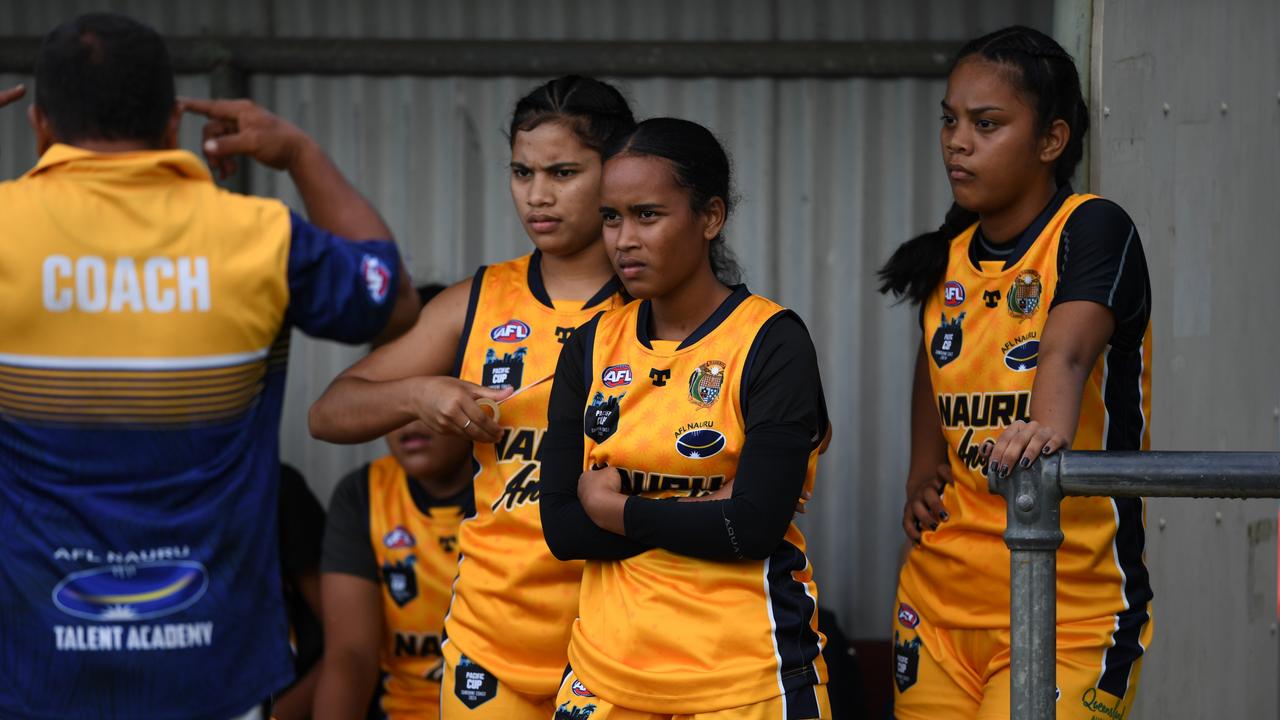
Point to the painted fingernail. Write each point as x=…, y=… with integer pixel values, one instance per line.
x=1046, y=450
x=1025, y=462
x=945, y=516
x=1004, y=471
x=933, y=526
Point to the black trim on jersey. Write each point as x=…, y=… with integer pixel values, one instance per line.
x=424, y=501
x=748, y=365
x=588, y=332
x=803, y=704
x=1122, y=396
x=534, y=279
x=477, y=281
x=796, y=642
x=644, y=318
x=1026, y=239
x=539, y=289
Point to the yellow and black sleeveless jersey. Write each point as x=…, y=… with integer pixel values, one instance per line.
x=702, y=606
x=385, y=527
x=983, y=327
x=513, y=602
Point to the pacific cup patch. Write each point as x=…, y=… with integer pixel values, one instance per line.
x=401, y=580
x=568, y=712
x=705, y=383
x=947, y=340
x=473, y=685
x=1024, y=294
x=906, y=662
x=601, y=419
x=505, y=371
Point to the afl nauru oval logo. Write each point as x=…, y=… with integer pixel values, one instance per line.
x=700, y=444
x=510, y=331
x=131, y=592
x=1022, y=358
x=952, y=293
x=616, y=375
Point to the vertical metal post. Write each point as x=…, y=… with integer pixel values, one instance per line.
x=1033, y=534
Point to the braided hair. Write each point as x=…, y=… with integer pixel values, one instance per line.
x=594, y=110
x=1044, y=72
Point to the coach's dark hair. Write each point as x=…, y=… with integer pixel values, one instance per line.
x=595, y=111
x=105, y=77
x=1044, y=73
x=699, y=165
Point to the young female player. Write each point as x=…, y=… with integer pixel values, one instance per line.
x=390, y=556
x=698, y=609
x=1035, y=304
x=513, y=605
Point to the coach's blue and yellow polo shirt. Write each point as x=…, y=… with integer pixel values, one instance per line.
x=144, y=323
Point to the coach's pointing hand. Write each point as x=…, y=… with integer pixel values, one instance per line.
x=242, y=127
x=12, y=95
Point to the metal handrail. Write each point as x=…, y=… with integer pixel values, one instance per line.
x=1033, y=534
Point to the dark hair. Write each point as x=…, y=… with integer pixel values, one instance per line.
x=105, y=77
x=1046, y=74
x=595, y=111
x=699, y=165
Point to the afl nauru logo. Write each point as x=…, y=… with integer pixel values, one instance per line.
x=952, y=293
x=131, y=592
x=510, y=331
x=1021, y=358
x=377, y=278
x=616, y=375
x=700, y=444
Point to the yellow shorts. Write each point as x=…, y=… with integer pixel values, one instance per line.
x=469, y=692
x=964, y=674
x=575, y=702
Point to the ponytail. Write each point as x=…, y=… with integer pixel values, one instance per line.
x=918, y=265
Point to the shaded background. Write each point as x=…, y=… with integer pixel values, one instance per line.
x=835, y=168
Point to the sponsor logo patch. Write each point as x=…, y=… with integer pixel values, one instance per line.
x=700, y=444
x=906, y=662
x=616, y=375
x=577, y=688
x=473, y=685
x=401, y=580
x=377, y=278
x=991, y=298
x=505, y=371
x=131, y=592
x=511, y=331
x=398, y=537
x=952, y=293
x=907, y=616
x=1022, y=357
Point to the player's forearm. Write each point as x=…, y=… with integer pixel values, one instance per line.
x=346, y=684
x=355, y=410
x=928, y=446
x=333, y=203
x=1057, y=393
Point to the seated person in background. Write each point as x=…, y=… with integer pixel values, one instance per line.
x=390, y=556
x=301, y=535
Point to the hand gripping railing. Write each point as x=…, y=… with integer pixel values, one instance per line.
x=1034, y=497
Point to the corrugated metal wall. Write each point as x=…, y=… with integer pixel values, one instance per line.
x=1189, y=144
x=833, y=174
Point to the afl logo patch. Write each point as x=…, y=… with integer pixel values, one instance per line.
x=399, y=538
x=952, y=293
x=616, y=375
x=377, y=278
x=907, y=616
x=511, y=331
x=700, y=444
x=705, y=383
x=1024, y=294
x=1021, y=358
x=131, y=592
x=579, y=689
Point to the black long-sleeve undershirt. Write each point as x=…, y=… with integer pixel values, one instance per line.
x=785, y=417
